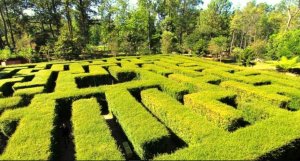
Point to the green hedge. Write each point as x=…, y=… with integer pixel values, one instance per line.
x=29, y=91
x=265, y=138
x=255, y=80
x=173, y=88
x=24, y=72
x=122, y=74
x=293, y=93
x=146, y=134
x=76, y=68
x=40, y=79
x=57, y=67
x=248, y=91
x=10, y=102
x=157, y=69
x=196, y=84
x=32, y=139
x=208, y=104
x=92, y=136
x=177, y=69
x=189, y=126
x=65, y=82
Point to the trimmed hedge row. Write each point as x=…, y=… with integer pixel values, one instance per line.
x=157, y=69
x=208, y=104
x=265, y=138
x=97, y=69
x=248, y=91
x=146, y=134
x=9, y=80
x=122, y=74
x=65, y=82
x=41, y=66
x=189, y=126
x=257, y=110
x=40, y=79
x=255, y=80
x=171, y=87
x=196, y=84
x=92, y=137
x=57, y=67
x=76, y=68
x=29, y=91
x=293, y=93
x=10, y=102
x=32, y=139
x=177, y=69
x=128, y=65
x=23, y=72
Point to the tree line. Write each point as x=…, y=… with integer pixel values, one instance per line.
x=69, y=28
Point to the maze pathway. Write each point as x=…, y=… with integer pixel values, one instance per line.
x=151, y=107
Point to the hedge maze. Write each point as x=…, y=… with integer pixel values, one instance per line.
x=149, y=107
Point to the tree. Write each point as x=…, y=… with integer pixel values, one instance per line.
x=214, y=21
x=293, y=9
x=284, y=44
x=167, y=42
x=68, y=47
x=217, y=46
x=259, y=48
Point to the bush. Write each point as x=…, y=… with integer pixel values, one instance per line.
x=90, y=131
x=137, y=123
x=208, y=104
x=286, y=64
x=217, y=46
x=284, y=44
x=26, y=53
x=167, y=42
x=189, y=126
x=5, y=54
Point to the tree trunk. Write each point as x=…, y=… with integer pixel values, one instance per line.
x=83, y=21
x=232, y=41
x=9, y=24
x=245, y=41
x=290, y=17
x=51, y=29
x=1, y=42
x=69, y=19
x=56, y=18
x=5, y=27
x=149, y=30
x=242, y=38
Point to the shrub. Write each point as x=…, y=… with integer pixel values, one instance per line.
x=5, y=54
x=40, y=79
x=209, y=104
x=247, y=91
x=76, y=68
x=189, y=126
x=122, y=74
x=26, y=53
x=136, y=121
x=285, y=64
x=218, y=45
x=92, y=133
x=11, y=102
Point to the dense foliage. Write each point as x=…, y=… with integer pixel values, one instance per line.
x=71, y=28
